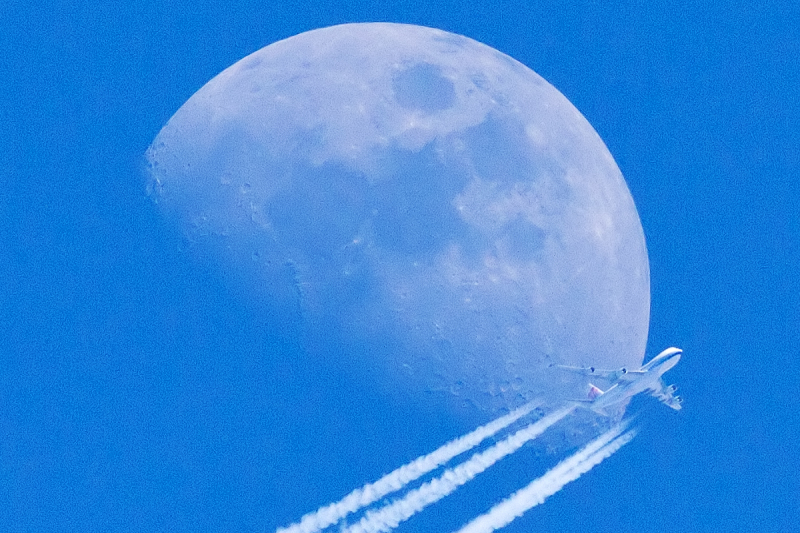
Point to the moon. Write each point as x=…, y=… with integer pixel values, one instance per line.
x=431, y=207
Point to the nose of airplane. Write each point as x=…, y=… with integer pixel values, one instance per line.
x=671, y=351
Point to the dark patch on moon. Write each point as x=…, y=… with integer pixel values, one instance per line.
x=413, y=213
x=498, y=144
x=525, y=240
x=424, y=88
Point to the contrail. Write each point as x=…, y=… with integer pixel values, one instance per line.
x=553, y=481
x=396, y=480
x=390, y=516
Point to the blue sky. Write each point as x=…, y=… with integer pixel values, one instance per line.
x=135, y=393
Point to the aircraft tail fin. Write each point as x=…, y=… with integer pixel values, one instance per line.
x=594, y=392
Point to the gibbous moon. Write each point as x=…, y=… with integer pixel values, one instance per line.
x=432, y=207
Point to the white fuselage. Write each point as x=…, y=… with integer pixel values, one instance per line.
x=631, y=384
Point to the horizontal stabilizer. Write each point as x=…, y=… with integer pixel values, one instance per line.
x=666, y=394
x=674, y=402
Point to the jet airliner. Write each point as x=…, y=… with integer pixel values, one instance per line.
x=628, y=383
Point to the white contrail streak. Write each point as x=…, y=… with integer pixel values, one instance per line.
x=372, y=492
x=390, y=516
x=553, y=481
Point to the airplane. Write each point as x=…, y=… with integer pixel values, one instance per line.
x=629, y=383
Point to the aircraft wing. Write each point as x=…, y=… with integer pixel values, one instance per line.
x=613, y=375
x=666, y=394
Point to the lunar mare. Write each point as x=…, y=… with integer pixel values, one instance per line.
x=433, y=204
